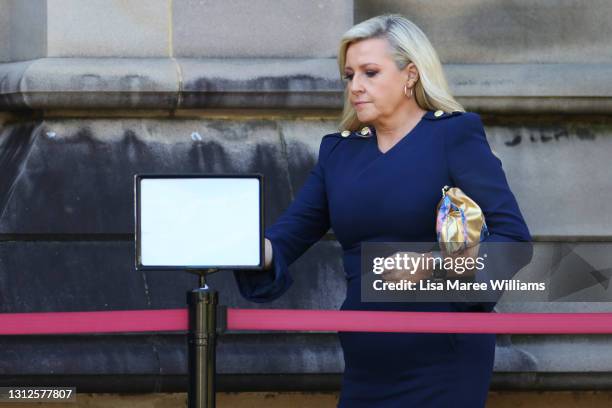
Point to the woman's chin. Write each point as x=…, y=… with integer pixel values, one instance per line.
x=363, y=117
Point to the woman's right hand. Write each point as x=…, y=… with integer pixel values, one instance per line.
x=416, y=275
x=268, y=254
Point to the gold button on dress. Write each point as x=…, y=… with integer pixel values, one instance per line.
x=365, y=131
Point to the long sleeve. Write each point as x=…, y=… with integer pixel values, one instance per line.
x=302, y=224
x=478, y=172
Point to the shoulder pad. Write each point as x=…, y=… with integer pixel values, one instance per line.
x=439, y=114
x=332, y=135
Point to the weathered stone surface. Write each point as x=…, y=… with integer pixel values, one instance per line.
x=567, y=353
x=23, y=34
x=108, y=28
x=78, y=177
x=534, y=80
x=497, y=31
x=532, y=88
x=72, y=276
x=242, y=28
x=556, y=168
x=130, y=83
x=101, y=83
x=15, y=146
x=302, y=140
x=86, y=275
x=5, y=31
x=261, y=82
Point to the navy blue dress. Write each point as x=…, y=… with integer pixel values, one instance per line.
x=366, y=195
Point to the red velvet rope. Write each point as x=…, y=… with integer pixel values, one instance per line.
x=121, y=321
x=136, y=321
x=419, y=322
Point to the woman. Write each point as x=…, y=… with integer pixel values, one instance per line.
x=404, y=138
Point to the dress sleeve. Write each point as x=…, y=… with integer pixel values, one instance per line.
x=478, y=172
x=302, y=224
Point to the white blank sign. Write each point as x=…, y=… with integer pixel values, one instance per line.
x=190, y=222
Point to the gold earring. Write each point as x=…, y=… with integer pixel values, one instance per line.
x=406, y=93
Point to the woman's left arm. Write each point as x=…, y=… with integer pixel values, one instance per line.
x=478, y=172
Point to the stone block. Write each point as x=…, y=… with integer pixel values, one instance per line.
x=23, y=30
x=108, y=28
x=263, y=28
x=497, y=31
x=5, y=31
x=556, y=169
x=38, y=276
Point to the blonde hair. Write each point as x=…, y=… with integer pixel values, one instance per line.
x=407, y=44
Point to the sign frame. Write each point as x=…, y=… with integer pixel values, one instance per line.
x=194, y=268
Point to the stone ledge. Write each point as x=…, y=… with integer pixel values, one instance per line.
x=323, y=382
x=164, y=83
x=299, y=362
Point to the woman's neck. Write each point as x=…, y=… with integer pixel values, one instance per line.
x=389, y=132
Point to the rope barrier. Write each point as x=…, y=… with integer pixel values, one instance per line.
x=135, y=321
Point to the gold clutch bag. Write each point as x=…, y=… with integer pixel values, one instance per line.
x=460, y=222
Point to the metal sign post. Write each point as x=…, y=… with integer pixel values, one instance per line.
x=202, y=342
